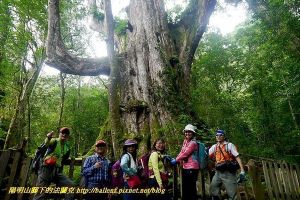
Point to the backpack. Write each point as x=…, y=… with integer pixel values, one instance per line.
x=117, y=174
x=143, y=162
x=230, y=165
x=41, y=151
x=201, y=155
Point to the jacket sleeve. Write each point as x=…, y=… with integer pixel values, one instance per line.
x=49, y=141
x=109, y=171
x=88, y=166
x=154, y=160
x=125, y=165
x=192, y=146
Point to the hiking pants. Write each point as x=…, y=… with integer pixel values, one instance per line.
x=52, y=174
x=152, y=183
x=97, y=196
x=189, y=178
x=229, y=181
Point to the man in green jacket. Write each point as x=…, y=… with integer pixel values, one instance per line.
x=51, y=169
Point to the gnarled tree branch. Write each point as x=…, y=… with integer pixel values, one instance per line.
x=190, y=30
x=208, y=7
x=59, y=58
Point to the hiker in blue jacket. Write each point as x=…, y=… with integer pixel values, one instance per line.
x=129, y=166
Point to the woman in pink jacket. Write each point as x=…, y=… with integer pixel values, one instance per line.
x=187, y=157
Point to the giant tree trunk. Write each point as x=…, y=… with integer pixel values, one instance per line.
x=154, y=70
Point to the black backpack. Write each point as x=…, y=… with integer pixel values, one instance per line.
x=41, y=151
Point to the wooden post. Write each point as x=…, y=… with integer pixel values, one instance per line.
x=180, y=181
x=255, y=176
x=25, y=171
x=4, y=161
x=71, y=169
x=175, y=183
x=13, y=173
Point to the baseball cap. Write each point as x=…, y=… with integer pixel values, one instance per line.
x=100, y=143
x=220, y=132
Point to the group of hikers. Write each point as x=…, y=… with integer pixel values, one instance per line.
x=99, y=172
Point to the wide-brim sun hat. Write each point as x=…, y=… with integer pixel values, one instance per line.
x=189, y=127
x=130, y=142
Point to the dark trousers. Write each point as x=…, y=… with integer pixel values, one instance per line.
x=52, y=174
x=97, y=196
x=153, y=183
x=189, y=178
x=129, y=196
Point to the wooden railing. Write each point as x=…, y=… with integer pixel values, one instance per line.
x=15, y=172
x=267, y=179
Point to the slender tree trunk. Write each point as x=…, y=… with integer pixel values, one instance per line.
x=113, y=96
x=290, y=105
x=77, y=112
x=62, y=77
x=15, y=132
x=28, y=120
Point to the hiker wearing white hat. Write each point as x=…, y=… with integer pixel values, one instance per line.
x=189, y=163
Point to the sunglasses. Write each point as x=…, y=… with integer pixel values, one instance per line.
x=133, y=145
x=188, y=132
x=219, y=135
x=101, y=145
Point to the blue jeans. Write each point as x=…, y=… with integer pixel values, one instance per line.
x=129, y=196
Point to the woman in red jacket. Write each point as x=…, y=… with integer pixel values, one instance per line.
x=187, y=157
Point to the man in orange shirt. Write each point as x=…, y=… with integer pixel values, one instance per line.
x=227, y=162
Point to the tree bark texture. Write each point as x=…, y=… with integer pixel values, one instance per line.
x=152, y=50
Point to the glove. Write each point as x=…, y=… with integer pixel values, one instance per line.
x=241, y=177
x=173, y=162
